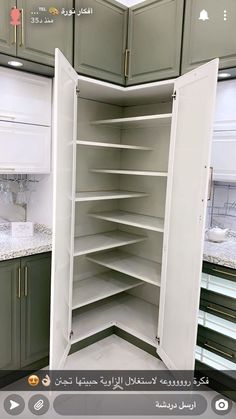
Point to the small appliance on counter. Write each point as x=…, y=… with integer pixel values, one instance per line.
x=217, y=234
x=22, y=229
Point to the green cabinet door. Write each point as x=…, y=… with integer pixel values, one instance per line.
x=209, y=32
x=7, y=31
x=100, y=40
x=35, y=308
x=154, y=40
x=37, y=41
x=10, y=315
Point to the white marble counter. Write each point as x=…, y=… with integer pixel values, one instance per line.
x=11, y=248
x=221, y=253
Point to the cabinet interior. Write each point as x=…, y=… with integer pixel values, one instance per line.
x=119, y=216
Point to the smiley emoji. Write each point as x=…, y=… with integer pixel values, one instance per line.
x=33, y=380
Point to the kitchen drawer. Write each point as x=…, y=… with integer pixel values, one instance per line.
x=218, y=304
x=217, y=343
x=24, y=148
x=219, y=271
x=25, y=97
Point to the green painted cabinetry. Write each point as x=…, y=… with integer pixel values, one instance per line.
x=24, y=310
x=100, y=40
x=154, y=40
x=209, y=32
x=36, y=41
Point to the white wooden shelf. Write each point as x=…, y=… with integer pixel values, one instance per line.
x=97, y=242
x=130, y=313
x=131, y=265
x=130, y=172
x=143, y=121
x=107, y=195
x=131, y=219
x=113, y=145
x=101, y=286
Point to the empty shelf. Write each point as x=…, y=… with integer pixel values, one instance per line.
x=113, y=145
x=129, y=218
x=130, y=172
x=129, y=264
x=105, y=195
x=101, y=286
x=137, y=121
x=131, y=314
x=96, y=242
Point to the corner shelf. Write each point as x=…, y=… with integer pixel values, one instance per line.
x=131, y=219
x=130, y=172
x=126, y=263
x=97, y=242
x=143, y=121
x=101, y=286
x=112, y=145
x=107, y=195
x=131, y=314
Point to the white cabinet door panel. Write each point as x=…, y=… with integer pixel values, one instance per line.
x=224, y=156
x=24, y=148
x=189, y=163
x=64, y=133
x=25, y=97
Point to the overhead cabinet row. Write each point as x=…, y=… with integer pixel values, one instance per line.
x=154, y=40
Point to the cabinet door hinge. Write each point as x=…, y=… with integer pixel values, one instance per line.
x=77, y=90
x=174, y=95
x=158, y=340
x=71, y=334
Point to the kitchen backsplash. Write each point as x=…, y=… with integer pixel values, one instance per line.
x=221, y=210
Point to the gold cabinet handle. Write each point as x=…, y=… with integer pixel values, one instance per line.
x=19, y=283
x=221, y=312
x=210, y=184
x=127, y=52
x=224, y=272
x=218, y=350
x=26, y=281
x=14, y=35
x=22, y=28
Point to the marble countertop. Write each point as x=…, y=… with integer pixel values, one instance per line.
x=11, y=248
x=221, y=253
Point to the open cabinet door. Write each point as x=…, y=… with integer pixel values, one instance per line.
x=186, y=201
x=64, y=143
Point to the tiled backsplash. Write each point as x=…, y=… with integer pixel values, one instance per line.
x=222, y=209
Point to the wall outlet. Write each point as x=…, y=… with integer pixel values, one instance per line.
x=21, y=230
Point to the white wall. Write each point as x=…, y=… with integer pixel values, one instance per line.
x=39, y=209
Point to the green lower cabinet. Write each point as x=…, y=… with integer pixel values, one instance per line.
x=24, y=311
x=9, y=315
x=35, y=308
x=209, y=32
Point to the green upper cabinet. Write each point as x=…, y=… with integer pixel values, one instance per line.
x=100, y=40
x=35, y=308
x=154, y=41
x=7, y=31
x=10, y=314
x=37, y=41
x=209, y=32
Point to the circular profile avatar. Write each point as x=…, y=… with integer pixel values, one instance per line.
x=53, y=11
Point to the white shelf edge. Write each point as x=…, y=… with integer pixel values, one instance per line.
x=116, y=219
x=106, y=293
x=134, y=120
x=108, y=195
x=112, y=145
x=131, y=172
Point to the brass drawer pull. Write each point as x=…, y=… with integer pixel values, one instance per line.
x=221, y=312
x=210, y=184
x=19, y=283
x=218, y=350
x=127, y=51
x=22, y=28
x=14, y=35
x=26, y=281
x=223, y=272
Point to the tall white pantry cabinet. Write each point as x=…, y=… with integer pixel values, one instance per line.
x=131, y=175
